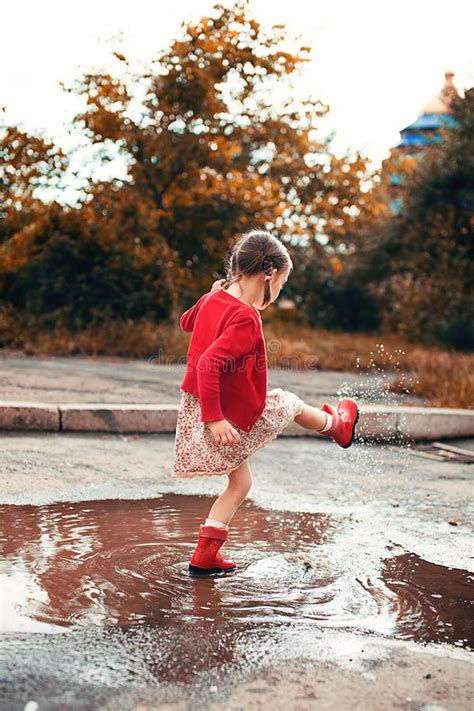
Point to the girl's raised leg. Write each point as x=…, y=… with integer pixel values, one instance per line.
x=311, y=418
x=338, y=424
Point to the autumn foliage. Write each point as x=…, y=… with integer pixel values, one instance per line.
x=214, y=142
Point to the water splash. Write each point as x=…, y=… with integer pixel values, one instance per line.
x=375, y=387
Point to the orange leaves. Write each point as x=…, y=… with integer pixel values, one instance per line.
x=336, y=264
x=209, y=149
x=27, y=161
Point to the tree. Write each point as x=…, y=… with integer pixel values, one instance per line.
x=64, y=266
x=215, y=142
x=26, y=163
x=420, y=266
x=220, y=144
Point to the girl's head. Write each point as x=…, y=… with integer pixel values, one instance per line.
x=258, y=256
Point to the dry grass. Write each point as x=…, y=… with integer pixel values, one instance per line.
x=112, y=339
x=445, y=378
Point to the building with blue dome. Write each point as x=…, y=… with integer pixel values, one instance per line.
x=417, y=137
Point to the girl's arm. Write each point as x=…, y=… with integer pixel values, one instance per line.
x=188, y=318
x=237, y=340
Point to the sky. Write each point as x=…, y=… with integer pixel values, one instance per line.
x=375, y=62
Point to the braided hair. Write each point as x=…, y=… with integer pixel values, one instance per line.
x=254, y=252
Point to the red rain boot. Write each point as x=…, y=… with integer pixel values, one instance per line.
x=343, y=422
x=206, y=558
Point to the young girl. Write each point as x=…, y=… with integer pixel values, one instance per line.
x=226, y=413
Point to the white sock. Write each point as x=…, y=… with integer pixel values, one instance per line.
x=214, y=522
x=328, y=424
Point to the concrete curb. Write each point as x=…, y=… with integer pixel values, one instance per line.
x=29, y=416
x=376, y=421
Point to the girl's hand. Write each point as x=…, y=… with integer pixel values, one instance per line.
x=223, y=432
x=217, y=284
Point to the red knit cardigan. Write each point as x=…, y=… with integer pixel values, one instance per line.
x=226, y=360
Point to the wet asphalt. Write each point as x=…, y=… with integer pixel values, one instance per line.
x=347, y=560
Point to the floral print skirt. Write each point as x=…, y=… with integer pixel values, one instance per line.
x=196, y=453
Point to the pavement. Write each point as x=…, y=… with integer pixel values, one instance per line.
x=354, y=565
x=363, y=650
x=106, y=395
x=148, y=381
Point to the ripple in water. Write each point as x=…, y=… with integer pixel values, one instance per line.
x=124, y=563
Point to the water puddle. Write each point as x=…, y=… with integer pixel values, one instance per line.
x=123, y=564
